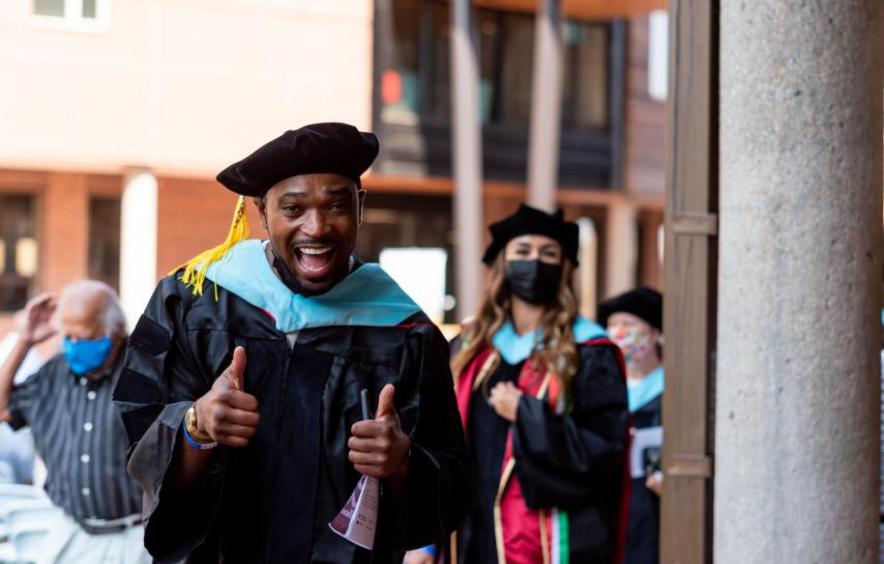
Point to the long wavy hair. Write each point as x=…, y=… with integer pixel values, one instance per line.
x=555, y=352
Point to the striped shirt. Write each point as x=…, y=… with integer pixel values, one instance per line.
x=80, y=436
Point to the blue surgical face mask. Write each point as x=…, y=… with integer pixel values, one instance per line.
x=85, y=356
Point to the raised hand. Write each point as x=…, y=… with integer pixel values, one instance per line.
x=226, y=413
x=379, y=447
x=35, y=324
x=505, y=400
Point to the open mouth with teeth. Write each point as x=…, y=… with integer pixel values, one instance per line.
x=316, y=261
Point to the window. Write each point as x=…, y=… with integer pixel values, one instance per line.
x=415, y=81
x=585, y=76
x=19, y=251
x=73, y=14
x=394, y=221
x=507, y=51
x=412, y=109
x=658, y=55
x=104, y=240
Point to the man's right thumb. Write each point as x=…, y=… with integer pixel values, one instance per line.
x=237, y=368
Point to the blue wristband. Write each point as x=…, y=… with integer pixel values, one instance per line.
x=194, y=443
x=430, y=549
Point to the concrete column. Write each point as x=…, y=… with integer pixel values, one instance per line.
x=467, y=151
x=138, y=242
x=797, y=397
x=621, y=247
x=546, y=107
x=587, y=274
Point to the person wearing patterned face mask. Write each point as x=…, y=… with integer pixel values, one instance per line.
x=634, y=321
x=542, y=396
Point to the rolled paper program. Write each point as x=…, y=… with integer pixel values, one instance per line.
x=357, y=520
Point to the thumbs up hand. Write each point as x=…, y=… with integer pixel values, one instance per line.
x=226, y=413
x=379, y=447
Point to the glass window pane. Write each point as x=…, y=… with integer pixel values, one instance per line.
x=414, y=80
x=17, y=228
x=415, y=221
x=585, y=80
x=435, y=63
x=104, y=240
x=489, y=45
x=89, y=9
x=399, y=76
x=49, y=7
x=513, y=80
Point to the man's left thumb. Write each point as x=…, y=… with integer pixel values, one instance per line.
x=385, y=402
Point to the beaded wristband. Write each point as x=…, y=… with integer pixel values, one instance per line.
x=195, y=443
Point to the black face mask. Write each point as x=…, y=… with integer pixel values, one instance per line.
x=286, y=275
x=534, y=281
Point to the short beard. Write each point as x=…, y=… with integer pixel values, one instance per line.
x=291, y=280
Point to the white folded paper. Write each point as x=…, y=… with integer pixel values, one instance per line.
x=357, y=521
x=648, y=437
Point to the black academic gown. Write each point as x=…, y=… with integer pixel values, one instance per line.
x=272, y=500
x=574, y=463
x=643, y=526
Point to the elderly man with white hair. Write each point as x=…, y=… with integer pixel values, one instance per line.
x=77, y=429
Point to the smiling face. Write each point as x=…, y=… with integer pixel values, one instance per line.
x=312, y=221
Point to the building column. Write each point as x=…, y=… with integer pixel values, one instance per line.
x=621, y=247
x=138, y=242
x=796, y=442
x=587, y=273
x=467, y=151
x=546, y=107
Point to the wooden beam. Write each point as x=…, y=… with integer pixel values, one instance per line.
x=581, y=9
x=430, y=186
x=566, y=195
x=23, y=180
x=690, y=260
x=105, y=185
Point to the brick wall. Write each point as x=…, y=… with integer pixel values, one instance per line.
x=194, y=215
x=64, y=230
x=645, y=118
x=62, y=225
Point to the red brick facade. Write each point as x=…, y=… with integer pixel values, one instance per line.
x=194, y=215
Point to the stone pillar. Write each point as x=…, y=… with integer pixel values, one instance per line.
x=587, y=274
x=621, y=247
x=138, y=243
x=546, y=107
x=467, y=152
x=796, y=441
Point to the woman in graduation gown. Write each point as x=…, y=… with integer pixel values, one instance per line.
x=542, y=397
x=634, y=320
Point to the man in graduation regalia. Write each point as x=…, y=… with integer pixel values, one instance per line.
x=241, y=388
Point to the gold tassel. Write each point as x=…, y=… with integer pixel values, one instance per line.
x=194, y=275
